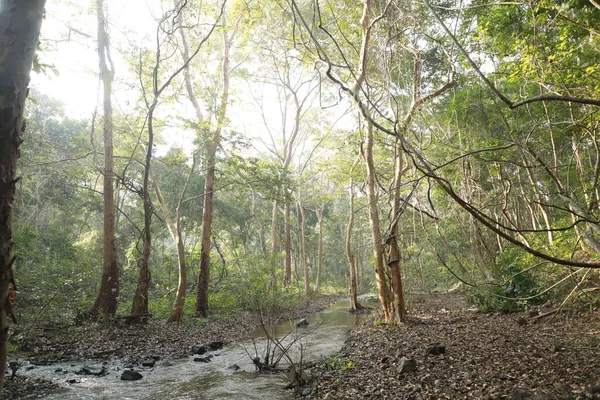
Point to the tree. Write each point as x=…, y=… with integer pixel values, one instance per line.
x=108, y=295
x=20, y=24
x=167, y=28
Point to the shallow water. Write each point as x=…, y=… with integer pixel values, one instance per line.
x=186, y=379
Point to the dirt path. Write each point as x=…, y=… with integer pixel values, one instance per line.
x=487, y=356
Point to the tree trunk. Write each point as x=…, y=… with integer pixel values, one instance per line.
x=108, y=295
x=201, y=306
x=175, y=231
x=20, y=22
x=319, y=249
x=382, y=285
x=212, y=145
x=352, y=287
x=303, y=256
x=287, y=276
x=398, y=307
x=273, y=260
x=140, y=300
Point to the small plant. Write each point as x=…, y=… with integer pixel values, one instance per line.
x=341, y=364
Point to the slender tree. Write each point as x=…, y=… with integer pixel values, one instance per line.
x=108, y=295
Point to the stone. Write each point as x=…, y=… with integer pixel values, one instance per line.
x=131, y=375
x=234, y=367
x=148, y=363
x=521, y=394
x=156, y=358
x=217, y=345
x=202, y=359
x=436, y=350
x=198, y=349
x=91, y=371
x=594, y=389
x=407, y=365
x=302, y=322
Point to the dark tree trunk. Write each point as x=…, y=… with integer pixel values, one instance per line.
x=20, y=22
x=140, y=300
x=107, y=299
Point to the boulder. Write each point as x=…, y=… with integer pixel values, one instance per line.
x=131, y=375
x=234, y=367
x=202, y=359
x=148, y=363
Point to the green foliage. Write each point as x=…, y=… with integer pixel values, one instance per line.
x=341, y=364
x=517, y=289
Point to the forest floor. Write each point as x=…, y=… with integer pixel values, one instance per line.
x=487, y=356
x=132, y=343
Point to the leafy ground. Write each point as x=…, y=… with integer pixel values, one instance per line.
x=488, y=356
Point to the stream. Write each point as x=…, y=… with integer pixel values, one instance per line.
x=187, y=379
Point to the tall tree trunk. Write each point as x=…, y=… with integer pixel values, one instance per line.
x=201, y=305
x=174, y=228
x=319, y=248
x=108, y=295
x=273, y=260
x=212, y=145
x=303, y=255
x=20, y=23
x=398, y=307
x=382, y=285
x=352, y=287
x=287, y=276
x=140, y=300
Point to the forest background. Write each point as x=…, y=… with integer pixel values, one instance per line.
x=262, y=150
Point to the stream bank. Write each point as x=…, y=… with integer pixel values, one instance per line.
x=99, y=342
x=486, y=356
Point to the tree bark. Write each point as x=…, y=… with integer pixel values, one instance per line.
x=398, y=307
x=303, y=256
x=287, y=276
x=380, y=277
x=140, y=300
x=352, y=287
x=319, y=249
x=108, y=295
x=20, y=23
x=201, y=306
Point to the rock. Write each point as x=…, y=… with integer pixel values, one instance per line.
x=198, y=349
x=166, y=364
x=148, y=363
x=436, y=350
x=212, y=346
x=72, y=381
x=91, y=371
x=407, y=365
x=202, y=359
x=521, y=394
x=156, y=358
x=302, y=322
x=594, y=389
x=131, y=375
x=58, y=370
x=305, y=391
x=534, y=313
x=234, y=367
